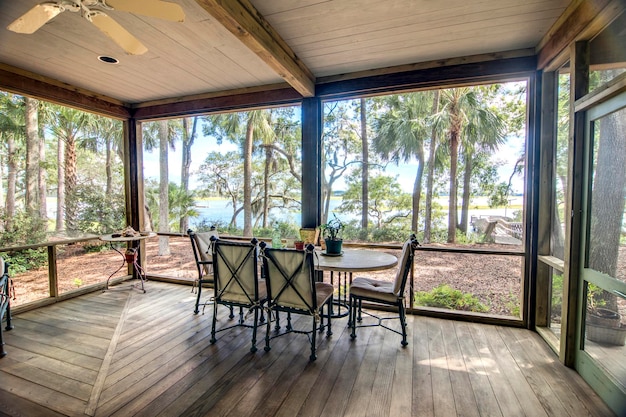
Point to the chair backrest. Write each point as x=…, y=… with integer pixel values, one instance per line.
x=201, y=244
x=235, y=271
x=406, y=260
x=290, y=278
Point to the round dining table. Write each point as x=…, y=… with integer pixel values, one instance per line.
x=348, y=262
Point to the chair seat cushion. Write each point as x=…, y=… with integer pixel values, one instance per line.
x=323, y=291
x=372, y=288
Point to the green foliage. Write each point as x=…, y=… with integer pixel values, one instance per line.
x=447, y=297
x=23, y=230
x=333, y=229
x=556, y=301
x=98, y=212
x=390, y=234
x=25, y=260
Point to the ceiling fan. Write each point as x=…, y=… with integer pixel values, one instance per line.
x=42, y=13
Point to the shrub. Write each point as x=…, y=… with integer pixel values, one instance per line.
x=447, y=297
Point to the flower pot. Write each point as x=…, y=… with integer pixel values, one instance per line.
x=333, y=247
x=615, y=335
x=603, y=317
x=299, y=245
x=309, y=235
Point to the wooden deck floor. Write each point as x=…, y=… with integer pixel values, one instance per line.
x=126, y=353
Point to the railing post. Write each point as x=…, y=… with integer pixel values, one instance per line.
x=52, y=271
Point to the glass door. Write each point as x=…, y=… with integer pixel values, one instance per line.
x=601, y=359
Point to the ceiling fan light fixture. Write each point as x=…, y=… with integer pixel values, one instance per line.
x=108, y=59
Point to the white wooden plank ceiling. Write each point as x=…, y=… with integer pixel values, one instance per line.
x=329, y=37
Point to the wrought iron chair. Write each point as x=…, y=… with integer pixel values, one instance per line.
x=201, y=244
x=5, y=302
x=236, y=284
x=291, y=287
x=382, y=292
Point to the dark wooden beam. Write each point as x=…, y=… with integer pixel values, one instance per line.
x=458, y=74
x=24, y=82
x=218, y=102
x=250, y=27
x=311, y=160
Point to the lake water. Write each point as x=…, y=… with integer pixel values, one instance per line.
x=219, y=210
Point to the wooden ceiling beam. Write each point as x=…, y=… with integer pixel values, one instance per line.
x=582, y=21
x=19, y=81
x=250, y=27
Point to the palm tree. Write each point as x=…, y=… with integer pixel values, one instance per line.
x=163, y=134
x=484, y=132
x=401, y=133
x=188, y=138
x=251, y=124
x=461, y=108
x=69, y=127
x=31, y=112
x=433, y=162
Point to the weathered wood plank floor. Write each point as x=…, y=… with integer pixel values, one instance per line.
x=124, y=353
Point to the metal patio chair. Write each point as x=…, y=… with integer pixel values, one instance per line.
x=202, y=252
x=383, y=293
x=236, y=284
x=291, y=288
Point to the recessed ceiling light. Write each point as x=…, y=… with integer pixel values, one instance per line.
x=108, y=60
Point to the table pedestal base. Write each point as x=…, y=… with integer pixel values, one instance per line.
x=129, y=257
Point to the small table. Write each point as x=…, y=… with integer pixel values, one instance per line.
x=352, y=260
x=130, y=256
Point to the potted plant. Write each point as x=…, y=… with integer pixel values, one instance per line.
x=603, y=325
x=332, y=233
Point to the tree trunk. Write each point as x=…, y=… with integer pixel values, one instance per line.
x=454, y=153
x=609, y=192
x=430, y=176
x=42, y=180
x=164, y=208
x=108, y=166
x=60, y=218
x=417, y=188
x=365, y=168
x=70, y=184
x=11, y=181
x=188, y=140
x=266, y=186
x=32, y=156
x=467, y=178
x=247, y=179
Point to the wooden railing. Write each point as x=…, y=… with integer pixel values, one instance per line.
x=157, y=273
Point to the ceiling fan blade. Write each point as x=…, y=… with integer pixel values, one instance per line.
x=154, y=8
x=117, y=33
x=35, y=18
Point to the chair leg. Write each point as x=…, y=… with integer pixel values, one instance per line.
x=256, y=323
x=329, y=330
x=289, y=327
x=403, y=323
x=360, y=318
x=197, y=310
x=213, y=323
x=352, y=313
x=313, y=333
x=268, y=329
x=241, y=319
x=277, y=326
x=232, y=312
